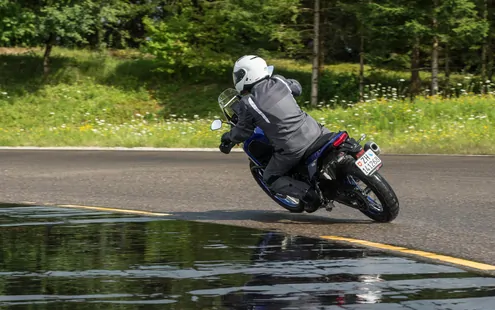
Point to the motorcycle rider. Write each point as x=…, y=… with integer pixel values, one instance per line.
x=268, y=102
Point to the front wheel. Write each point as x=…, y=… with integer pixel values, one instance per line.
x=381, y=202
x=287, y=202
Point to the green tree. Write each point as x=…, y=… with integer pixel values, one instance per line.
x=17, y=24
x=66, y=22
x=362, y=30
x=58, y=22
x=191, y=31
x=399, y=27
x=457, y=25
x=109, y=17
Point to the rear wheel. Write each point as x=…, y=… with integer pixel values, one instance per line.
x=382, y=204
x=290, y=203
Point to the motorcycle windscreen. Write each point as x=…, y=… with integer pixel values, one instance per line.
x=226, y=100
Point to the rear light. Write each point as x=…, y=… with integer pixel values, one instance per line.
x=340, y=139
x=359, y=154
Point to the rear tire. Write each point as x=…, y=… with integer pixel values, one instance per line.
x=385, y=194
x=258, y=177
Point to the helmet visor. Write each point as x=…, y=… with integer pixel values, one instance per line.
x=238, y=75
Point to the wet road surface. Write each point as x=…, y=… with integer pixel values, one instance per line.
x=61, y=258
x=446, y=202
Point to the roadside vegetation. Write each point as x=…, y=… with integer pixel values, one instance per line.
x=413, y=75
x=101, y=100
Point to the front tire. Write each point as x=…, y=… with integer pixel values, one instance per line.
x=284, y=203
x=385, y=194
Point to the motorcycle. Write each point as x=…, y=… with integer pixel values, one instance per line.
x=336, y=166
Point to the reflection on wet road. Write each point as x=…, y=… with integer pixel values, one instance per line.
x=56, y=258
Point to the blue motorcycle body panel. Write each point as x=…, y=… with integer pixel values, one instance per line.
x=311, y=161
x=258, y=135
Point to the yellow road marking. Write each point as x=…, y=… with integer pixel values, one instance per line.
x=114, y=210
x=443, y=258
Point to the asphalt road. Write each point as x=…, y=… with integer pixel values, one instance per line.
x=447, y=203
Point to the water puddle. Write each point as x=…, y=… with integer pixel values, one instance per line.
x=56, y=258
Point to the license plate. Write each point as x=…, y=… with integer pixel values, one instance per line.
x=369, y=162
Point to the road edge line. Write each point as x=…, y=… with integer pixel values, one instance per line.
x=91, y=148
x=185, y=149
x=113, y=210
x=418, y=253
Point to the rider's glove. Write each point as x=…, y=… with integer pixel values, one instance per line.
x=226, y=145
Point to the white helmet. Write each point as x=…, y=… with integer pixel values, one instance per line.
x=248, y=70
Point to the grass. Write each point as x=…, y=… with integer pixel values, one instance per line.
x=101, y=117
x=463, y=125
x=92, y=99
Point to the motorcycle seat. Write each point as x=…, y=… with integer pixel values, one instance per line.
x=318, y=144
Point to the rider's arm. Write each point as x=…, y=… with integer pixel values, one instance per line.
x=293, y=85
x=245, y=124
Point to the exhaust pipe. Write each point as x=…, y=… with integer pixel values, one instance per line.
x=373, y=146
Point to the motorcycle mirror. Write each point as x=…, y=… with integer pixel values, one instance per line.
x=216, y=124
